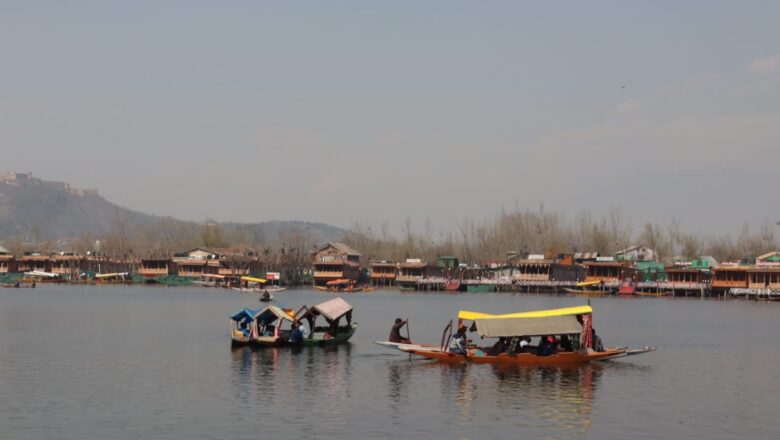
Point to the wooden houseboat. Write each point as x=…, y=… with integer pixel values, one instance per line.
x=410, y=272
x=335, y=261
x=6, y=261
x=192, y=268
x=33, y=261
x=727, y=277
x=155, y=267
x=764, y=277
x=66, y=264
x=383, y=273
x=607, y=271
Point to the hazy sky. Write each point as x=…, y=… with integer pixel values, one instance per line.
x=339, y=111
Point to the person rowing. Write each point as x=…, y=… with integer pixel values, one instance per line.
x=395, y=332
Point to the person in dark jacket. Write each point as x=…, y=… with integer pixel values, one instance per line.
x=395, y=332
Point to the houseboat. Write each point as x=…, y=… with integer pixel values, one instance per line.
x=383, y=273
x=335, y=261
x=410, y=272
x=727, y=276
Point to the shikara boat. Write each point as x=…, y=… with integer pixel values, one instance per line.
x=332, y=311
x=262, y=328
x=586, y=288
x=39, y=276
x=656, y=294
x=343, y=285
x=112, y=278
x=573, y=322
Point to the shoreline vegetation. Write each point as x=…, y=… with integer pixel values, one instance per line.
x=519, y=231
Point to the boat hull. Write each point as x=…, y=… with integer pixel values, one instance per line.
x=589, y=292
x=520, y=359
x=316, y=339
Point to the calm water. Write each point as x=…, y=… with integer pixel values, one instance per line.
x=134, y=362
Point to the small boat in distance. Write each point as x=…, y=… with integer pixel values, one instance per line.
x=514, y=332
x=587, y=288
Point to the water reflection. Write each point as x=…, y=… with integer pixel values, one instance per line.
x=544, y=398
x=561, y=397
x=262, y=375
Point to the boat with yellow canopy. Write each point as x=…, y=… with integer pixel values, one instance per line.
x=515, y=332
x=590, y=288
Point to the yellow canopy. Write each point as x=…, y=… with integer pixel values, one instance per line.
x=588, y=283
x=110, y=275
x=254, y=280
x=579, y=310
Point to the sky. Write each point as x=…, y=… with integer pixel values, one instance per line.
x=380, y=111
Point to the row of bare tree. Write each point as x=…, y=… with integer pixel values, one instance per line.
x=474, y=242
x=541, y=232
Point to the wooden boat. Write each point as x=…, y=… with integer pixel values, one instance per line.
x=585, y=292
x=652, y=294
x=262, y=328
x=112, y=278
x=586, y=288
x=452, y=286
x=266, y=327
x=480, y=288
x=627, y=287
x=332, y=311
x=573, y=322
x=18, y=286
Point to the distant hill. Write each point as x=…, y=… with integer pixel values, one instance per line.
x=34, y=208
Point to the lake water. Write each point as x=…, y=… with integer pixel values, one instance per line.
x=136, y=362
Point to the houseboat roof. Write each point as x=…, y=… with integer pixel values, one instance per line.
x=382, y=264
x=605, y=263
x=189, y=262
x=764, y=269
x=341, y=247
x=532, y=262
x=414, y=264
x=771, y=256
x=4, y=250
x=731, y=268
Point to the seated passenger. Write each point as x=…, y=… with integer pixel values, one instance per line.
x=296, y=335
x=596, y=340
x=499, y=347
x=546, y=346
x=566, y=344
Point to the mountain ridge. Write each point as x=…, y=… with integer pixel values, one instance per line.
x=35, y=209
